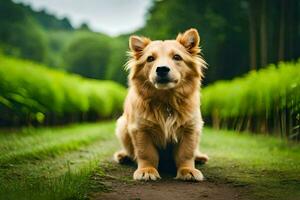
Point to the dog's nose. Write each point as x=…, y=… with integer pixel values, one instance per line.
x=162, y=71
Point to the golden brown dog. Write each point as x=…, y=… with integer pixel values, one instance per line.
x=163, y=105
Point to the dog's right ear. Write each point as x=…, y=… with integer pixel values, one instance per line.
x=137, y=44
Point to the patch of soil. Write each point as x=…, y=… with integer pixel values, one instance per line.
x=116, y=183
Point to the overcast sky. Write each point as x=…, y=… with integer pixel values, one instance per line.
x=109, y=16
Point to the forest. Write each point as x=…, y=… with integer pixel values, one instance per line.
x=236, y=36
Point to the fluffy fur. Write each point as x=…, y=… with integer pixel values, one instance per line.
x=158, y=114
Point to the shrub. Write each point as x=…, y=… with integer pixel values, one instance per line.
x=265, y=101
x=31, y=93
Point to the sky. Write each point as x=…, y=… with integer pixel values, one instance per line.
x=112, y=17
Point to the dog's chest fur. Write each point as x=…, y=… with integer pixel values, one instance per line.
x=164, y=123
x=168, y=121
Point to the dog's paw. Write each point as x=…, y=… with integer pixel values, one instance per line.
x=189, y=174
x=121, y=157
x=201, y=158
x=146, y=174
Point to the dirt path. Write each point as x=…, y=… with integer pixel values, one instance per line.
x=117, y=184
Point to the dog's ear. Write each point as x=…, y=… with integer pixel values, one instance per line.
x=190, y=39
x=137, y=44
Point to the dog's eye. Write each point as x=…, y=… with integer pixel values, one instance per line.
x=150, y=59
x=177, y=57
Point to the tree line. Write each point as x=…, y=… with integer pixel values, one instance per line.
x=236, y=36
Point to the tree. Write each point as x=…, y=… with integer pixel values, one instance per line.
x=117, y=60
x=19, y=33
x=84, y=27
x=236, y=36
x=88, y=55
x=263, y=34
x=252, y=34
x=273, y=25
x=281, y=30
x=223, y=28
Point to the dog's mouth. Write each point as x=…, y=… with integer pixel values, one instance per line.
x=163, y=80
x=165, y=83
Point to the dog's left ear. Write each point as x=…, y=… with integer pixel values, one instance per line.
x=190, y=40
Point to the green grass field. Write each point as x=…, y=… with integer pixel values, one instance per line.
x=58, y=163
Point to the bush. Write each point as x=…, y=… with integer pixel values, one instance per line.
x=265, y=101
x=31, y=93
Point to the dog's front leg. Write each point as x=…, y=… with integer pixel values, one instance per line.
x=184, y=153
x=146, y=156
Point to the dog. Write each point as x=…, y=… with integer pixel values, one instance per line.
x=162, y=106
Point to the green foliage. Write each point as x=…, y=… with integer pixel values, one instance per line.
x=19, y=34
x=117, y=60
x=63, y=162
x=232, y=36
x=49, y=21
x=266, y=98
x=53, y=163
x=223, y=29
x=257, y=162
x=57, y=41
x=88, y=55
x=32, y=93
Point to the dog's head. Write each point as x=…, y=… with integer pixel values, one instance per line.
x=166, y=64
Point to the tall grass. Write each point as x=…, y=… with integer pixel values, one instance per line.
x=31, y=93
x=265, y=101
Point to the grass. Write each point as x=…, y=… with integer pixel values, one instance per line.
x=36, y=144
x=267, y=166
x=58, y=163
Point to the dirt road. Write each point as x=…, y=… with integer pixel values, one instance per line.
x=118, y=185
